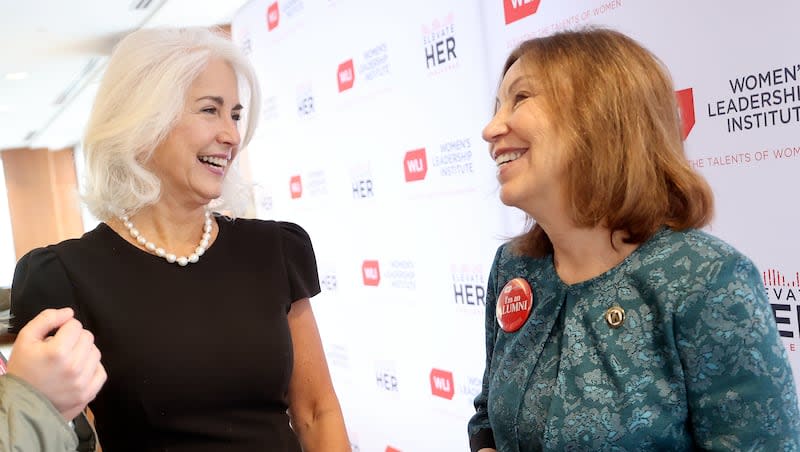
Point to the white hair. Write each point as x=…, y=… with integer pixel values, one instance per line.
x=140, y=98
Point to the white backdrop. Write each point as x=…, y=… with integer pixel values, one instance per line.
x=370, y=139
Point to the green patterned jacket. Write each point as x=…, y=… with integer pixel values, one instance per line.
x=697, y=363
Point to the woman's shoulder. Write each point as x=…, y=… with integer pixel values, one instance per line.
x=43, y=276
x=287, y=235
x=699, y=244
x=68, y=247
x=510, y=253
x=510, y=262
x=698, y=258
x=262, y=226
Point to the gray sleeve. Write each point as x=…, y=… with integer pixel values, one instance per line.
x=29, y=422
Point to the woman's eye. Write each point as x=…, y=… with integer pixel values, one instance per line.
x=236, y=116
x=212, y=110
x=520, y=97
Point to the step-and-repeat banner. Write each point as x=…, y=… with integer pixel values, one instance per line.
x=370, y=139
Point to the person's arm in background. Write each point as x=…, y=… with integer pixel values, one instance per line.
x=50, y=381
x=313, y=406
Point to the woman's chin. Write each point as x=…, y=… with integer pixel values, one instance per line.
x=508, y=197
x=208, y=195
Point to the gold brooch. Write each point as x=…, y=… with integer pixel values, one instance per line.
x=615, y=316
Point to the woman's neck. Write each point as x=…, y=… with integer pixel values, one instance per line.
x=171, y=227
x=580, y=254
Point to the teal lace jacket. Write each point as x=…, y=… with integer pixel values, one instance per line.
x=696, y=364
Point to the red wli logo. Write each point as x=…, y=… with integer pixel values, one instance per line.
x=442, y=384
x=686, y=110
x=273, y=16
x=296, y=186
x=415, y=165
x=773, y=277
x=371, y=272
x=391, y=449
x=517, y=9
x=346, y=75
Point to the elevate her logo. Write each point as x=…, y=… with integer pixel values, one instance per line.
x=517, y=9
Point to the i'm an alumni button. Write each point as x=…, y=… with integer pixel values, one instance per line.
x=514, y=304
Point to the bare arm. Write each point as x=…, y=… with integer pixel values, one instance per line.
x=313, y=405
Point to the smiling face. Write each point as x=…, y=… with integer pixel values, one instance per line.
x=524, y=144
x=192, y=161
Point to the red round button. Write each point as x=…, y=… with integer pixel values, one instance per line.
x=514, y=304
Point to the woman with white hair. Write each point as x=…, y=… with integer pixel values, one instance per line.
x=203, y=320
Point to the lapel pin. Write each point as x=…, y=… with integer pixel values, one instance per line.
x=615, y=316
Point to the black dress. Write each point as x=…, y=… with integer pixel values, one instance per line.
x=199, y=357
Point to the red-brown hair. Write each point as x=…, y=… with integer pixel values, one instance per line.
x=614, y=106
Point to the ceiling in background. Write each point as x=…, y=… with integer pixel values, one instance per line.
x=55, y=51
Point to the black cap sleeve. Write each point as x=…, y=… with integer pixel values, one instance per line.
x=300, y=261
x=40, y=282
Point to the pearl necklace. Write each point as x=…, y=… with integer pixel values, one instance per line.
x=170, y=257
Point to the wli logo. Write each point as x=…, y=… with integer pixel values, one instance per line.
x=273, y=16
x=371, y=273
x=442, y=384
x=685, y=99
x=345, y=75
x=296, y=186
x=415, y=165
x=518, y=9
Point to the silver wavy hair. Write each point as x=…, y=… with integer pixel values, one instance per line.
x=140, y=98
